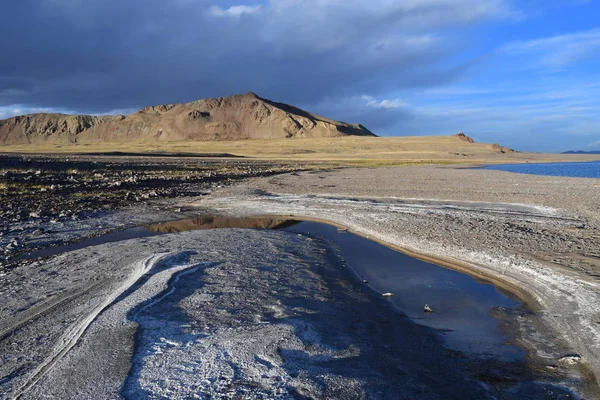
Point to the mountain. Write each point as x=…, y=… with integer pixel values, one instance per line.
x=246, y=116
x=581, y=152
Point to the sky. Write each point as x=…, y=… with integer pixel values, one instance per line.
x=521, y=73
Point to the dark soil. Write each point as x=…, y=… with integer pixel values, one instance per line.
x=57, y=188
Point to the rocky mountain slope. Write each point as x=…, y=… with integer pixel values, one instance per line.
x=246, y=116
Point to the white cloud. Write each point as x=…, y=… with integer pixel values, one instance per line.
x=559, y=51
x=118, y=111
x=594, y=145
x=435, y=12
x=387, y=104
x=234, y=11
x=411, y=23
x=19, y=109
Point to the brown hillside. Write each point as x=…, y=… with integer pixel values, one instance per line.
x=236, y=117
x=464, y=137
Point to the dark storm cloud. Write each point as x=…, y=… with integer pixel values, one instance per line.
x=95, y=56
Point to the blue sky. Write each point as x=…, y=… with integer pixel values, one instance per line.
x=524, y=74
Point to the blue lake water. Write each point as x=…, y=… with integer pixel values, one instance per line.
x=461, y=304
x=575, y=169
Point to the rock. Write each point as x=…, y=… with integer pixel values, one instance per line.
x=570, y=359
x=497, y=148
x=195, y=114
x=464, y=137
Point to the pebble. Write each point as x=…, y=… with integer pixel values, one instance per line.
x=570, y=359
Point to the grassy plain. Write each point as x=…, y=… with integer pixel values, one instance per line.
x=359, y=151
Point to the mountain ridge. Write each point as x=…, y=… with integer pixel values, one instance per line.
x=243, y=116
x=581, y=152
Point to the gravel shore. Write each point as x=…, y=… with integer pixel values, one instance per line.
x=538, y=237
x=41, y=195
x=91, y=323
x=226, y=314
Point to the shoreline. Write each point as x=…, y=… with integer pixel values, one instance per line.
x=514, y=289
x=562, y=298
x=453, y=264
x=240, y=301
x=477, y=232
x=510, y=287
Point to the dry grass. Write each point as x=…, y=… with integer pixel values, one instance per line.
x=359, y=151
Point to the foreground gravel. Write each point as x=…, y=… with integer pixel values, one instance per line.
x=41, y=195
x=228, y=313
x=258, y=314
x=538, y=237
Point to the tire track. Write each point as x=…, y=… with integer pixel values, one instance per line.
x=72, y=336
x=48, y=306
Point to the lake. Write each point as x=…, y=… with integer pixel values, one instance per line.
x=574, y=169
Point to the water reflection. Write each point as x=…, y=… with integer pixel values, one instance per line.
x=207, y=222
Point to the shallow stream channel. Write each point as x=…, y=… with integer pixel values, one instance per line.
x=474, y=319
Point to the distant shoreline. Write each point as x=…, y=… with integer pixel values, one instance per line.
x=341, y=151
x=579, y=169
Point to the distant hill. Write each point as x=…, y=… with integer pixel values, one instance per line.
x=581, y=152
x=246, y=116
